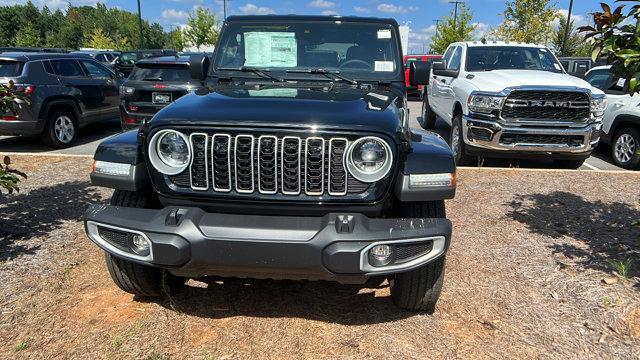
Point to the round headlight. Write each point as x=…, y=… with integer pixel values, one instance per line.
x=169, y=152
x=369, y=159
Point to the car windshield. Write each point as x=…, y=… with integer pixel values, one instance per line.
x=357, y=50
x=10, y=68
x=487, y=58
x=166, y=73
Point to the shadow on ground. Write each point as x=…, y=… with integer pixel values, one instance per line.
x=28, y=215
x=315, y=300
x=606, y=230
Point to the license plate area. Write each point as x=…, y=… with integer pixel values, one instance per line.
x=160, y=98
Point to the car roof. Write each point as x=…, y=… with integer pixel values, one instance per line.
x=311, y=18
x=29, y=56
x=165, y=60
x=498, y=43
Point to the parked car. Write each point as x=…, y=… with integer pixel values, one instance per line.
x=123, y=64
x=153, y=84
x=513, y=100
x=579, y=66
x=408, y=60
x=66, y=93
x=295, y=162
x=621, y=122
x=33, y=50
x=107, y=58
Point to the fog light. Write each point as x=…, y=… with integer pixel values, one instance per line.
x=380, y=255
x=140, y=245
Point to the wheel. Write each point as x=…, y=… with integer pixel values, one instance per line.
x=456, y=141
x=134, y=278
x=420, y=289
x=626, y=148
x=569, y=164
x=61, y=130
x=428, y=116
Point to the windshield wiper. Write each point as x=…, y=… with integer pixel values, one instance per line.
x=327, y=73
x=263, y=73
x=152, y=79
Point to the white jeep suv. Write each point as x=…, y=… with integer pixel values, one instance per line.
x=512, y=100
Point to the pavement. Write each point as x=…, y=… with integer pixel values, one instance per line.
x=92, y=135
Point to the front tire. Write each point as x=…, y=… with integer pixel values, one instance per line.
x=626, y=148
x=428, y=116
x=456, y=141
x=419, y=289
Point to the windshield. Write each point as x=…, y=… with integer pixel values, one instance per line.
x=10, y=68
x=168, y=73
x=357, y=50
x=487, y=58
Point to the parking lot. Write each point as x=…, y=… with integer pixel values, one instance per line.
x=91, y=136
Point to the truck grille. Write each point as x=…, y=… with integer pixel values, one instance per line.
x=269, y=164
x=569, y=140
x=562, y=106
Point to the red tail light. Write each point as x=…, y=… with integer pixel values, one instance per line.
x=133, y=108
x=130, y=120
x=9, y=118
x=159, y=86
x=27, y=89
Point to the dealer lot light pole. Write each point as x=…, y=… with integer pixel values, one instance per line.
x=141, y=42
x=566, y=30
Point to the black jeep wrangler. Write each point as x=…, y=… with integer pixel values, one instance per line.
x=294, y=161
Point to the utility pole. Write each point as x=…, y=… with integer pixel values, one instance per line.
x=455, y=12
x=141, y=43
x=566, y=30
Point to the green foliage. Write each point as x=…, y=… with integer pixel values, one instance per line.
x=28, y=36
x=622, y=267
x=21, y=346
x=203, y=27
x=576, y=45
x=99, y=40
x=616, y=37
x=176, y=40
x=452, y=30
x=9, y=178
x=529, y=21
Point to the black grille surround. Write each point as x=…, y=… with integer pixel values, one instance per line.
x=283, y=177
x=547, y=106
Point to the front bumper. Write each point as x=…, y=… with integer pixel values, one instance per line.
x=492, y=136
x=332, y=247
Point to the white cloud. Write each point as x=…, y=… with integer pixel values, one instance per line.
x=578, y=20
x=396, y=9
x=420, y=41
x=251, y=9
x=362, y=10
x=481, y=29
x=324, y=4
x=174, y=15
x=329, y=12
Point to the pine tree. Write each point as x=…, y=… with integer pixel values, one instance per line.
x=28, y=36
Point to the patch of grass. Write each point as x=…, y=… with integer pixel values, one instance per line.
x=622, y=267
x=117, y=342
x=21, y=346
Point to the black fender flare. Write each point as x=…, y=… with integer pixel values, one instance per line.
x=63, y=100
x=123, y=148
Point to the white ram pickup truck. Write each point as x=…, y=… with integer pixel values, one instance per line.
x=512, y=100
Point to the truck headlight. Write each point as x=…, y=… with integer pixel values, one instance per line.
x=169, y=152
x=369, y=159
x=485, y=103
x=598, y=106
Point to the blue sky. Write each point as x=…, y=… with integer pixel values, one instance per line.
x=418, y=14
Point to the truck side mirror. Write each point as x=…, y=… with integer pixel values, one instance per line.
x=419, y=73
x=440, y=69
x=198, y=66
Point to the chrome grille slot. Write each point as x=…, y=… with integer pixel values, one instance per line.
x=199, y=170
x=221, y=162
x=243, y=155
x=337, y=172
x=268, y=164
x=560, y=106
x=314, y=166
x=291, y=165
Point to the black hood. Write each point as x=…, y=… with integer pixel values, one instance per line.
x=314, y=108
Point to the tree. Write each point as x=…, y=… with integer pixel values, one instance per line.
x=99, y=40
x=615, y=37
x=576, y=45
x=529, y=21
x=175, y=40
x=28, y=35
x=451, y=30
x=203, y=27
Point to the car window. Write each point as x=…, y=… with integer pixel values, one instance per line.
x=101, y=57
x=10, y=68
x=600, y=79
x=581, y=67
x=456, y=59
x=67, y=68
x=109, y=57
x=96, y=71
x=565, y=64
x=129, y=58
x=448, y=54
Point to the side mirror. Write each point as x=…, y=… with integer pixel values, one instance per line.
x=440, y=69
x=419, y=73
x=198, y=66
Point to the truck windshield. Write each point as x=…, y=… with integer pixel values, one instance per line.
x=357, y=50
x=487, y=58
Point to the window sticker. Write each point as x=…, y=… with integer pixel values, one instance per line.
x=384, y=34
x=386, y=66
x=270, y=49
x=621, y=82
x=557, y=66
x=284, y=93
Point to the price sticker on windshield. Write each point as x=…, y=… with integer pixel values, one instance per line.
x=384, y=34
x=384, y=66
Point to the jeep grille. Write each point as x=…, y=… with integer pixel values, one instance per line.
x=558, y=106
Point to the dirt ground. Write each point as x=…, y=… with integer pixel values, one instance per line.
x=530, y=274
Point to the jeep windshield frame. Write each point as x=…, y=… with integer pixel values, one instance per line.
x=296, y=49
x=488, y=58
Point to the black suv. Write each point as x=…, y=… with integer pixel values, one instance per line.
x=124, y=63
x=153, y=84
x=66, y=93
x=295, y=161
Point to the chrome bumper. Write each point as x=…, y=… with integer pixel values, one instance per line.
x=494, y=131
